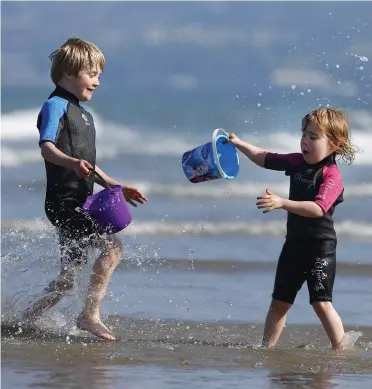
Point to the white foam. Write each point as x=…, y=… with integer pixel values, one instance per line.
x=20, y=136
x=233, y=189
x=347, y=228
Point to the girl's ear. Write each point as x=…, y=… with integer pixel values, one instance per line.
x=336, y=146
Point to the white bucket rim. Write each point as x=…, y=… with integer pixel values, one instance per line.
x=216, y=134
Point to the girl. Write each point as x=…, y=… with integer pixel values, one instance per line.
x=309, y=251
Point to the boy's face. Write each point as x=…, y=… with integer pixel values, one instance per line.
x=315, y=145
x=86, y=82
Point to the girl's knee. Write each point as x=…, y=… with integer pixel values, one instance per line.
x=322, y=307
x=279, y=306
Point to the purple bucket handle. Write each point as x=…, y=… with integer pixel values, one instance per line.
x=108, y=208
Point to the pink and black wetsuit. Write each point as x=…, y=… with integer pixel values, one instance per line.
x=309, y=252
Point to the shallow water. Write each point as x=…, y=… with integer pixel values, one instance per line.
x=159, y=353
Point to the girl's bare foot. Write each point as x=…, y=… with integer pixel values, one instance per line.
x=348, y=341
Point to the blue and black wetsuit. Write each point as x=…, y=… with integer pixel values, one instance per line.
x=70, y=128
x=309, y=252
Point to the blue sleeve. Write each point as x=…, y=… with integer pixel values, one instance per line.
x=51, y=113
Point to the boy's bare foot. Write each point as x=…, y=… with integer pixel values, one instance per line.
x=95, y=327
x=41, y=305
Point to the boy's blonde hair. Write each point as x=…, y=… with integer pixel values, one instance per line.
x=334, y=124
x=73, y=56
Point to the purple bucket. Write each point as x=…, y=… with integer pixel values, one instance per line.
x=109, y=209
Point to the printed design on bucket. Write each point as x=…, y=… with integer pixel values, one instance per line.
x=205, y=152
x=198, y=165
x=203, y=163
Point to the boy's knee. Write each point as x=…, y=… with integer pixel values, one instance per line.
x=62, y=285
x=118, y=248
x=113, y=247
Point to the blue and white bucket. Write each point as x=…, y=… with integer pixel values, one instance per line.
x=212, y=160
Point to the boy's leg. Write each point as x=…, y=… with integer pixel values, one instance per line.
x=56, y=290
x=320, y=280
x=90, y=319
x=72, y=252
x=288, y=281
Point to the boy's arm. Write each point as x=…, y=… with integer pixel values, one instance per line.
x=49, y=124
x=132, y=195
x=107, y=178
x=53, y=155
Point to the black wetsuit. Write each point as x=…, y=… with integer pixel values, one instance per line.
x=70, y=128
x=309, y=252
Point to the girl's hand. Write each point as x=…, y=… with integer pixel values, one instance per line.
x=132, y=194
x=269, y=202
x=233, y=139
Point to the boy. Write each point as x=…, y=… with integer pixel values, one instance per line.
x=67, y=142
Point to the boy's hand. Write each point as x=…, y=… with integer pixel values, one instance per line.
x=269, y=201
x=132, y=195
x=82, y=167
x=233, y=139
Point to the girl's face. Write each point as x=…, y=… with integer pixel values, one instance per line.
x=315, y=145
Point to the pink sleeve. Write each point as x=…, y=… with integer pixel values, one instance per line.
x=330, y=189
x=281, y=162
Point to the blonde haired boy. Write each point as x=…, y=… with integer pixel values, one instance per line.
x=67, y=142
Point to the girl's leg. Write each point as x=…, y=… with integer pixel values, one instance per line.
x=331, y=322
x=275, y=321
x=320, y=280
x=288, y=280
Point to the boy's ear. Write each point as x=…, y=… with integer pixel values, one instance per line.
x=69, y=76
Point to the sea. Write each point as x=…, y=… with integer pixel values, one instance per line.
x=189, y=298
x=190, y=295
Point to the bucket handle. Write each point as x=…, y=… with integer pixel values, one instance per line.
x=102, y=182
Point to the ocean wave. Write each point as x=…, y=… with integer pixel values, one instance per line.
x=20, y=140
x=224, y=190
x=235, y=190
x=274, y=228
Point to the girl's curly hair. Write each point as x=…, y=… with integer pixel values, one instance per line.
x=335, y=125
